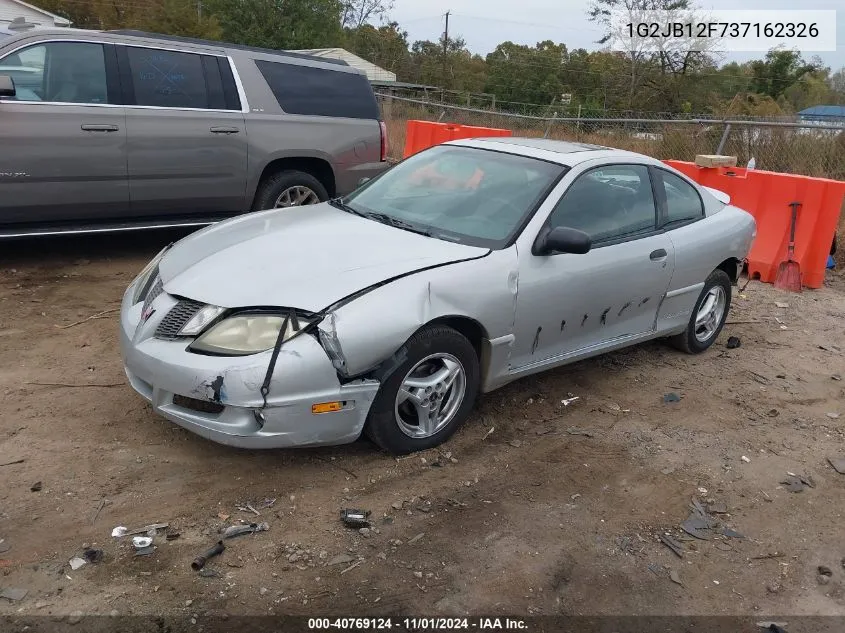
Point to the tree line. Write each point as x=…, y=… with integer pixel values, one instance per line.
x=519, y=77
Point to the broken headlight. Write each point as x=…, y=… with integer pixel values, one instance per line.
x=243, y=334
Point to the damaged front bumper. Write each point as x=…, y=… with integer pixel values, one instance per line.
x=219, y=398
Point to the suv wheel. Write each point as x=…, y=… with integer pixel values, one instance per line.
x=289, y=189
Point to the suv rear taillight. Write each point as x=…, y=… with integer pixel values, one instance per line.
x=383, y=130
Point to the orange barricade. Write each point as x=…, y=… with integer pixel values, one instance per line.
x=420, y=135
x=766, y=195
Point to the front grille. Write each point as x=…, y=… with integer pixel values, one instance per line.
x=152, y=294
x=203, y=406
x=176, y=319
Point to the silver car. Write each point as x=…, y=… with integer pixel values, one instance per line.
x=461, y=269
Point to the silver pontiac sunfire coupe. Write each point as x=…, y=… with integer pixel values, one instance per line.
x=465, y=267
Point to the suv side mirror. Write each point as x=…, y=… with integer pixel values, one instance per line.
x=562, y=239
x=7, y=86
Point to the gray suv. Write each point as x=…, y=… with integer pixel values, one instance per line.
x=106, y=130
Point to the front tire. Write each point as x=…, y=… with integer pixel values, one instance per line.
x=708, y=316
x=428, y=395
x=289, y=188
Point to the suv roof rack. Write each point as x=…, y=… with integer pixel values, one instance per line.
x=241, y=47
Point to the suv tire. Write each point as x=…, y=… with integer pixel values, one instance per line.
x=296, y=184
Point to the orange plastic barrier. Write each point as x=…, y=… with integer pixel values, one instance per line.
x=766, y=195
x=420, y=135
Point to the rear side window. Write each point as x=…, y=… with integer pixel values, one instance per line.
x=167, y=79
x=683, y=204
x=316, y=91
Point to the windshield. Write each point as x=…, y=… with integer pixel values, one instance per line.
x=461, y=194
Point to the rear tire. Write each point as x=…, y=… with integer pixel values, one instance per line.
x=272, y=189
x=397, y=421
x=705, y=325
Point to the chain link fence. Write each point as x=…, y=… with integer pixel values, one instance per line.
x=783, y=146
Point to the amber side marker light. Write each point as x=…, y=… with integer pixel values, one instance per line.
x=326, y=407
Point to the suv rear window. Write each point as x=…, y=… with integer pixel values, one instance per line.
x=316, y=91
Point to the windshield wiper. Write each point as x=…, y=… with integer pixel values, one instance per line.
x=399, y=224
x=338, y=203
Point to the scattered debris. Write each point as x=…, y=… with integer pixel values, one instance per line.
x=36, y=487
x=825, y=571
x=4, y=547
x=672, y=544
x=355, y=518
x=726, y=531
x=141, y=542
x=172, y=536
x=76, y=562
x=668, y=470
x=733, y=342
x=397, y=505
x=773, y=627
x=488, y=433
x=147, y=529
x=118, y=531
x=572, y=430
x=781, y=304
x=13, y=594
x=248, y=508
x=770, y=555
x=99, y=509
x=515, y=443
x=200, y=561
x=341, y=559
x=93, y=555
x=671, y=397
x=567, y=401
x=17, y=461
x=718, y=507
x=797, y=483
x=838, y=464
x=145, y=551
x=238, y=530
x=833, y=377
x=746, y=459
x=675, y=578
x=351, y=567
x=832, y=415
x=416, y=538
x=209, y=573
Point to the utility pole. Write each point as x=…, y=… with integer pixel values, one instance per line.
x=445, y=48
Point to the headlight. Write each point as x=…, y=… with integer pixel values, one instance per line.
x=201, y=320
x=146, y=278
x=243, y=334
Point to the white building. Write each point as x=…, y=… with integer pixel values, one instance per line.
x=374, y=73
x=17, y=15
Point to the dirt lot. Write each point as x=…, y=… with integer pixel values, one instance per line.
x=532, y=508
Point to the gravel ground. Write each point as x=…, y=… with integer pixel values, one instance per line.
x=532, y=508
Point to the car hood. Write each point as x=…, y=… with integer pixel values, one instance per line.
x=302, y=257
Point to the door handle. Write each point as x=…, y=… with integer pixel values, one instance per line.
x=224, y=130
x=97, y=127
x=658, y=255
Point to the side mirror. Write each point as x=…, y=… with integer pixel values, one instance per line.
x=7, y=86
x=562, y=240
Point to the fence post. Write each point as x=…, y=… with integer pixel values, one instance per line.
x=578, y=124
x=724, y=139
x=387, y=105
x=549, y=125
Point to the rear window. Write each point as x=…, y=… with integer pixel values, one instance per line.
x=319, y=92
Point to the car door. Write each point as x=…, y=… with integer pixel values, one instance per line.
x=569, y=305
x=63, y=134
x=187, y=146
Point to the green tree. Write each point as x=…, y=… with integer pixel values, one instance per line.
x=279, y=24
x=527, y=74
x=780, y=69
x=385, y=46
x=356, y=13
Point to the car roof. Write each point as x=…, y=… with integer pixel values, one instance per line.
x=562, y=152
x=125, y=36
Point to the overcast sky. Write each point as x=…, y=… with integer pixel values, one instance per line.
x=486, y=23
